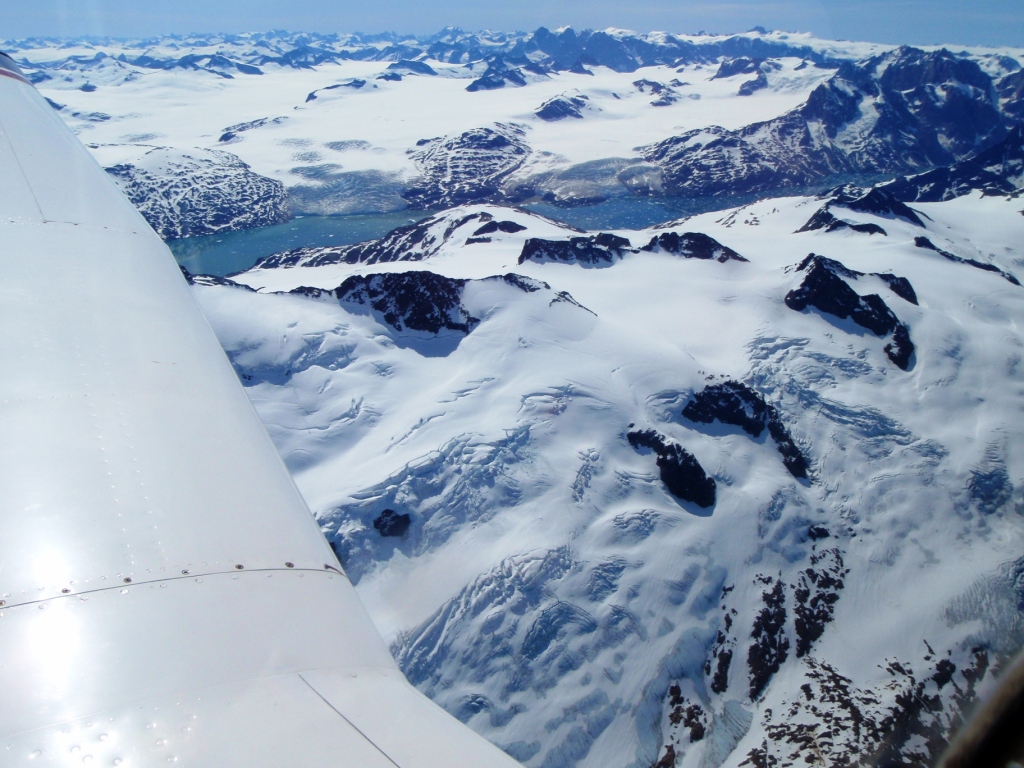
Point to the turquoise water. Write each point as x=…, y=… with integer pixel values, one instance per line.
x=620, y=213
x=232, y=252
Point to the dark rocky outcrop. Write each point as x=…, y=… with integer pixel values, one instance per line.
x=412, y=242
x=720, y=657
x=390, y=523
x=417, y=301
x=561, y=107
x=901, y=347
x=816, y=594
x=409, y=66
x=665, y=94
x=823, y=219
x=680, y=471
x=733, y=402
x=355, y=83
x=689, y=715
x=595, y=250
x=230, y=134
x=720, y=679
x=692, y=245
x=579, y=69
x=877, y=201
x=524, y=284
x=770, y=646
x=509, y=227
x=740, y=66
x=668, y=760
x=898, y=285
x=904, y=720
x=224, y=282
x=924, y=242
x=751, y=86
x=497, y=75
x=824, y=289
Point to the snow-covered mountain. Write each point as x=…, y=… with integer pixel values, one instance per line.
x=898, y=112
x=741, y=489
x=686, y=496
x=199, y=192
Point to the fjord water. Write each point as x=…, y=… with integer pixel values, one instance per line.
x=230, y=252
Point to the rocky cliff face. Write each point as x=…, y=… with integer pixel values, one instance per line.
x=998, y=170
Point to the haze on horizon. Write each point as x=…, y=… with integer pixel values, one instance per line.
x=916, y=22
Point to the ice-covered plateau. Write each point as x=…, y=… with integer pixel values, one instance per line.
x=744, y=489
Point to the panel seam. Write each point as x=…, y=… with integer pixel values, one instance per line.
x=354, y=726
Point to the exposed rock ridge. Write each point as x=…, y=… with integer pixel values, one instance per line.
x=824, y=289
x=692, y=245
x=924, y=242
x=412, y=242
x=594, y=250
x=680, y=471
x=733, y=402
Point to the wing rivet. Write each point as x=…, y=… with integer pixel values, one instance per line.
x=239, y=566
x=185, y=572
x=289, y=565
x=65, y=590
x=127, y=579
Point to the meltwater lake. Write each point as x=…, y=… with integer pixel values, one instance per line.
x=230, y=252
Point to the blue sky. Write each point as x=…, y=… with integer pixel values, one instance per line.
x=981, y=22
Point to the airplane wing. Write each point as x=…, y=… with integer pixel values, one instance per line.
x=165, y=594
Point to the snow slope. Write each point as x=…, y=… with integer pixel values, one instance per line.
x=531, y=567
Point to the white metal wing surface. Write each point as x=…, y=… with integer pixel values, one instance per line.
x=166, y=595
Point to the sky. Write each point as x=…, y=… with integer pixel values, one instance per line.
x=920, y=22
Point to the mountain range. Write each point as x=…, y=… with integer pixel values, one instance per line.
x=856, y=113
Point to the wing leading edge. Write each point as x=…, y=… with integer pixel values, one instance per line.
x=165, y=594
